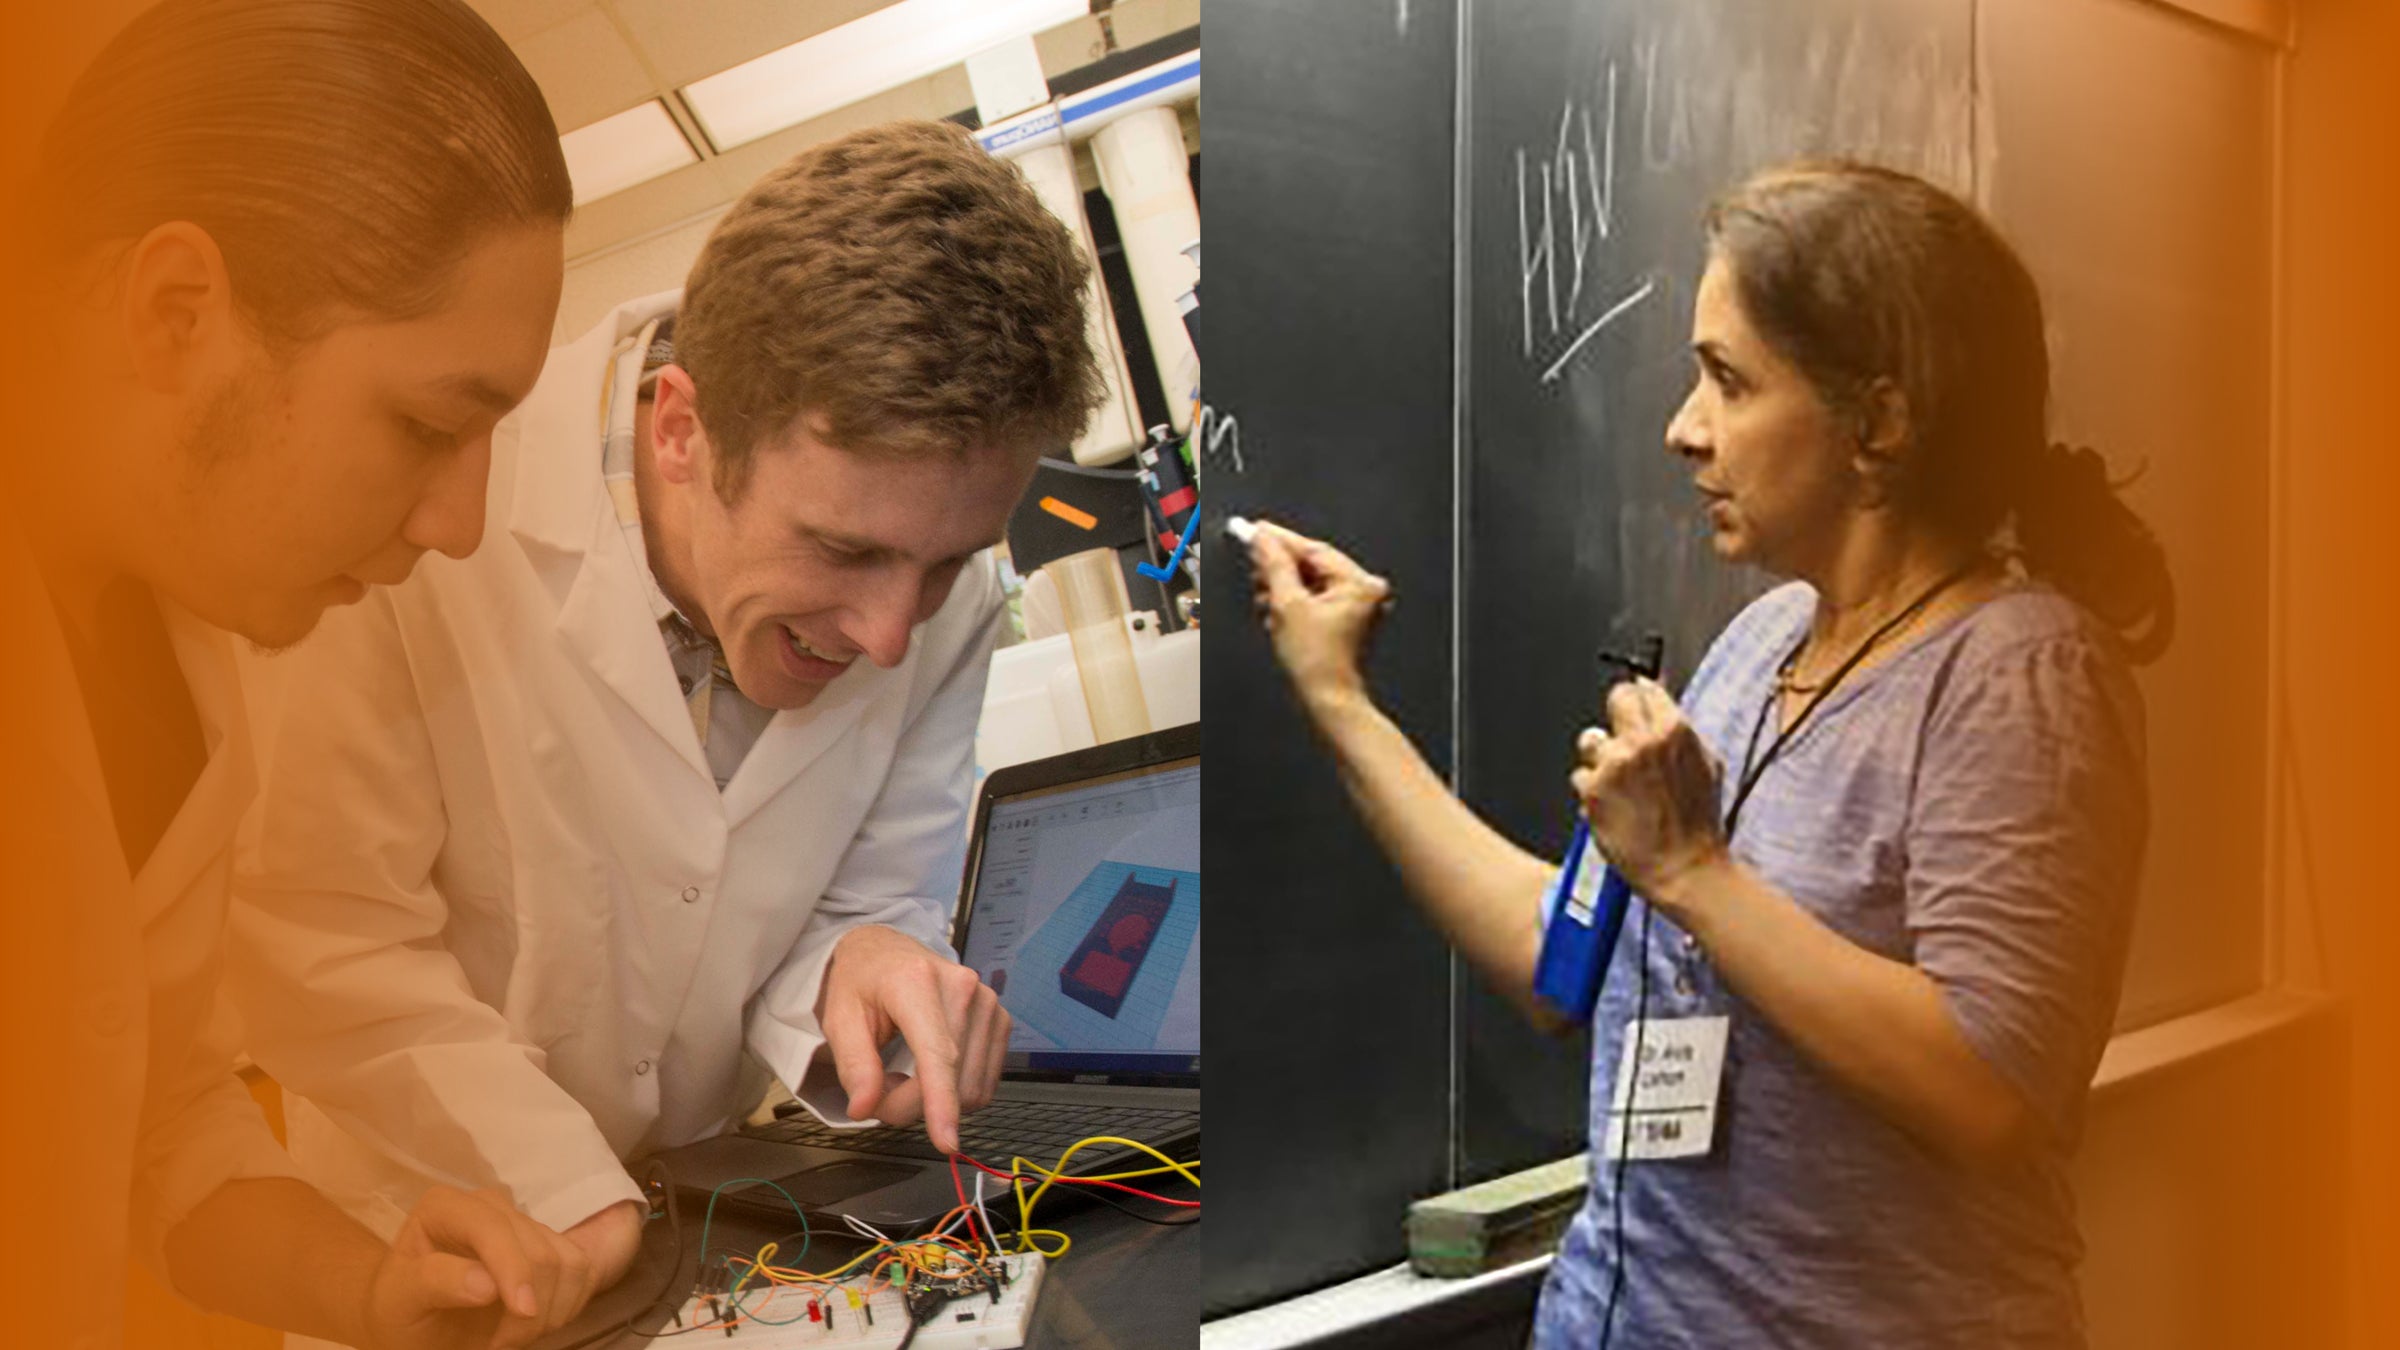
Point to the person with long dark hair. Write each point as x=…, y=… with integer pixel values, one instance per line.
x=287, y=262
x=1889, y=833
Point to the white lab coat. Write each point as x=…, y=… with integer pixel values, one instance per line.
x=134, y=1114
x=499, y=926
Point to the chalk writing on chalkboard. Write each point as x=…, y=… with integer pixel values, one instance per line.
x=1219, y=436
x=1577, y=179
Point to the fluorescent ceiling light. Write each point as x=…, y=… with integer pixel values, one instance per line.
x=617, y=152
x=898, y=43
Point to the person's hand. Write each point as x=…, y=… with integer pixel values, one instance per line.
x=468, y=1272
x=610, y=1240
x=1320, y=609
x=882, y=981
x=1650, y=792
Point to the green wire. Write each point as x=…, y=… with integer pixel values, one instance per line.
x=709, y=1216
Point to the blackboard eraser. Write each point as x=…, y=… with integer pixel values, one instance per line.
x=1497, y=1223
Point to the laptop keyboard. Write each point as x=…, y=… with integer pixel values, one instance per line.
x=1040, y=1131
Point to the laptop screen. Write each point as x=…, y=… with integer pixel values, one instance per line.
x=1086, y=921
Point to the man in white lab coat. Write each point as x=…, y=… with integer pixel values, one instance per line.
x=669, y=780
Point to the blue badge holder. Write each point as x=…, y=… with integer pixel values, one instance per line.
x=1587, y=903
x=1587, y=911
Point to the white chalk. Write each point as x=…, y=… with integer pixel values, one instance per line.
x=1242, y=529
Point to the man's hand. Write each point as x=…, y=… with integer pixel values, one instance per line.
x=881, y=981
x=468, y=1272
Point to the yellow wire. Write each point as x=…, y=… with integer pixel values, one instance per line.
x=1124, y=1176
x=1053, y=1174
x=1026, y=1236
x=1050, y=1176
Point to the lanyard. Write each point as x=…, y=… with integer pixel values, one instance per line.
x=1754, y=765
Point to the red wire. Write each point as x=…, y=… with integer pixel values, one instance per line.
x=1069, y=1181
x=961, y=1188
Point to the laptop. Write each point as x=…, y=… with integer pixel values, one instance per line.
x=1080, y=907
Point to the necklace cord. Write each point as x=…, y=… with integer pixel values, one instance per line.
x=1755, y=766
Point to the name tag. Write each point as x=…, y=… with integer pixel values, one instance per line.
x=1666, y=1106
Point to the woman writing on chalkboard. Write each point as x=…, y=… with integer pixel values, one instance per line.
x=1886, y=843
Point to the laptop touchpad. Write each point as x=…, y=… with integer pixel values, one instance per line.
x=835, y=1181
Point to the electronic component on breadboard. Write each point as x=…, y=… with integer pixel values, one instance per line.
x=807, y=1317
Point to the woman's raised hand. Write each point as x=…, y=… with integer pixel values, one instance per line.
x=1320, y=608
x=1650, y=791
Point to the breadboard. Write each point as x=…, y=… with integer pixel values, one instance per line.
x=972, y=1323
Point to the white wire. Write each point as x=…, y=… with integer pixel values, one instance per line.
x=945, y=1229
x=865, y=1229
x=988, y=1230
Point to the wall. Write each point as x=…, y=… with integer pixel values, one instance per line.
x=2205, y=1181
x=2341, y=289
x=601, y=282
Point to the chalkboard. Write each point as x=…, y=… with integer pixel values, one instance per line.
x=1453, y=249
x=1327, y=1004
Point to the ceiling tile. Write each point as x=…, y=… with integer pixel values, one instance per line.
x=516, y=20
x=685, y=42
x=937, y=95
x=585, y=69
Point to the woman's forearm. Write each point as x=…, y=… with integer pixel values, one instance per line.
x=1877, y=1026
x=1481, y=890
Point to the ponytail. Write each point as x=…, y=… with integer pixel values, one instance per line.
x=2073, y=531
